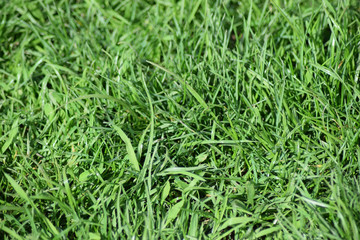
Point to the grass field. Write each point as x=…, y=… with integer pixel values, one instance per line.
x=189, y=119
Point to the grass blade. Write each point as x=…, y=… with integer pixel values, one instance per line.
x=173, y=212
x=184, y=83
x=129, y=148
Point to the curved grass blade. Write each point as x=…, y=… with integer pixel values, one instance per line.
x=188, y=87
x=174, y=211
x=129, y=147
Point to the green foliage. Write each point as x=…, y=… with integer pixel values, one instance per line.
x=180, y=119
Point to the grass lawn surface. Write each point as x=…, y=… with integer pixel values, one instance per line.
x=179, y=119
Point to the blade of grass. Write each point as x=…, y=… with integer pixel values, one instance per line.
x=129, y=148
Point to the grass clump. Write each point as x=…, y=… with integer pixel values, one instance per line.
x=179, y=119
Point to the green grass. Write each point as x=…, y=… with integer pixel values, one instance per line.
x=189, y=119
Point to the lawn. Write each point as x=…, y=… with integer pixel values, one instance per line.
x=179, y=119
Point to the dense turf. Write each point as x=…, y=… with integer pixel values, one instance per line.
x=192, y=119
